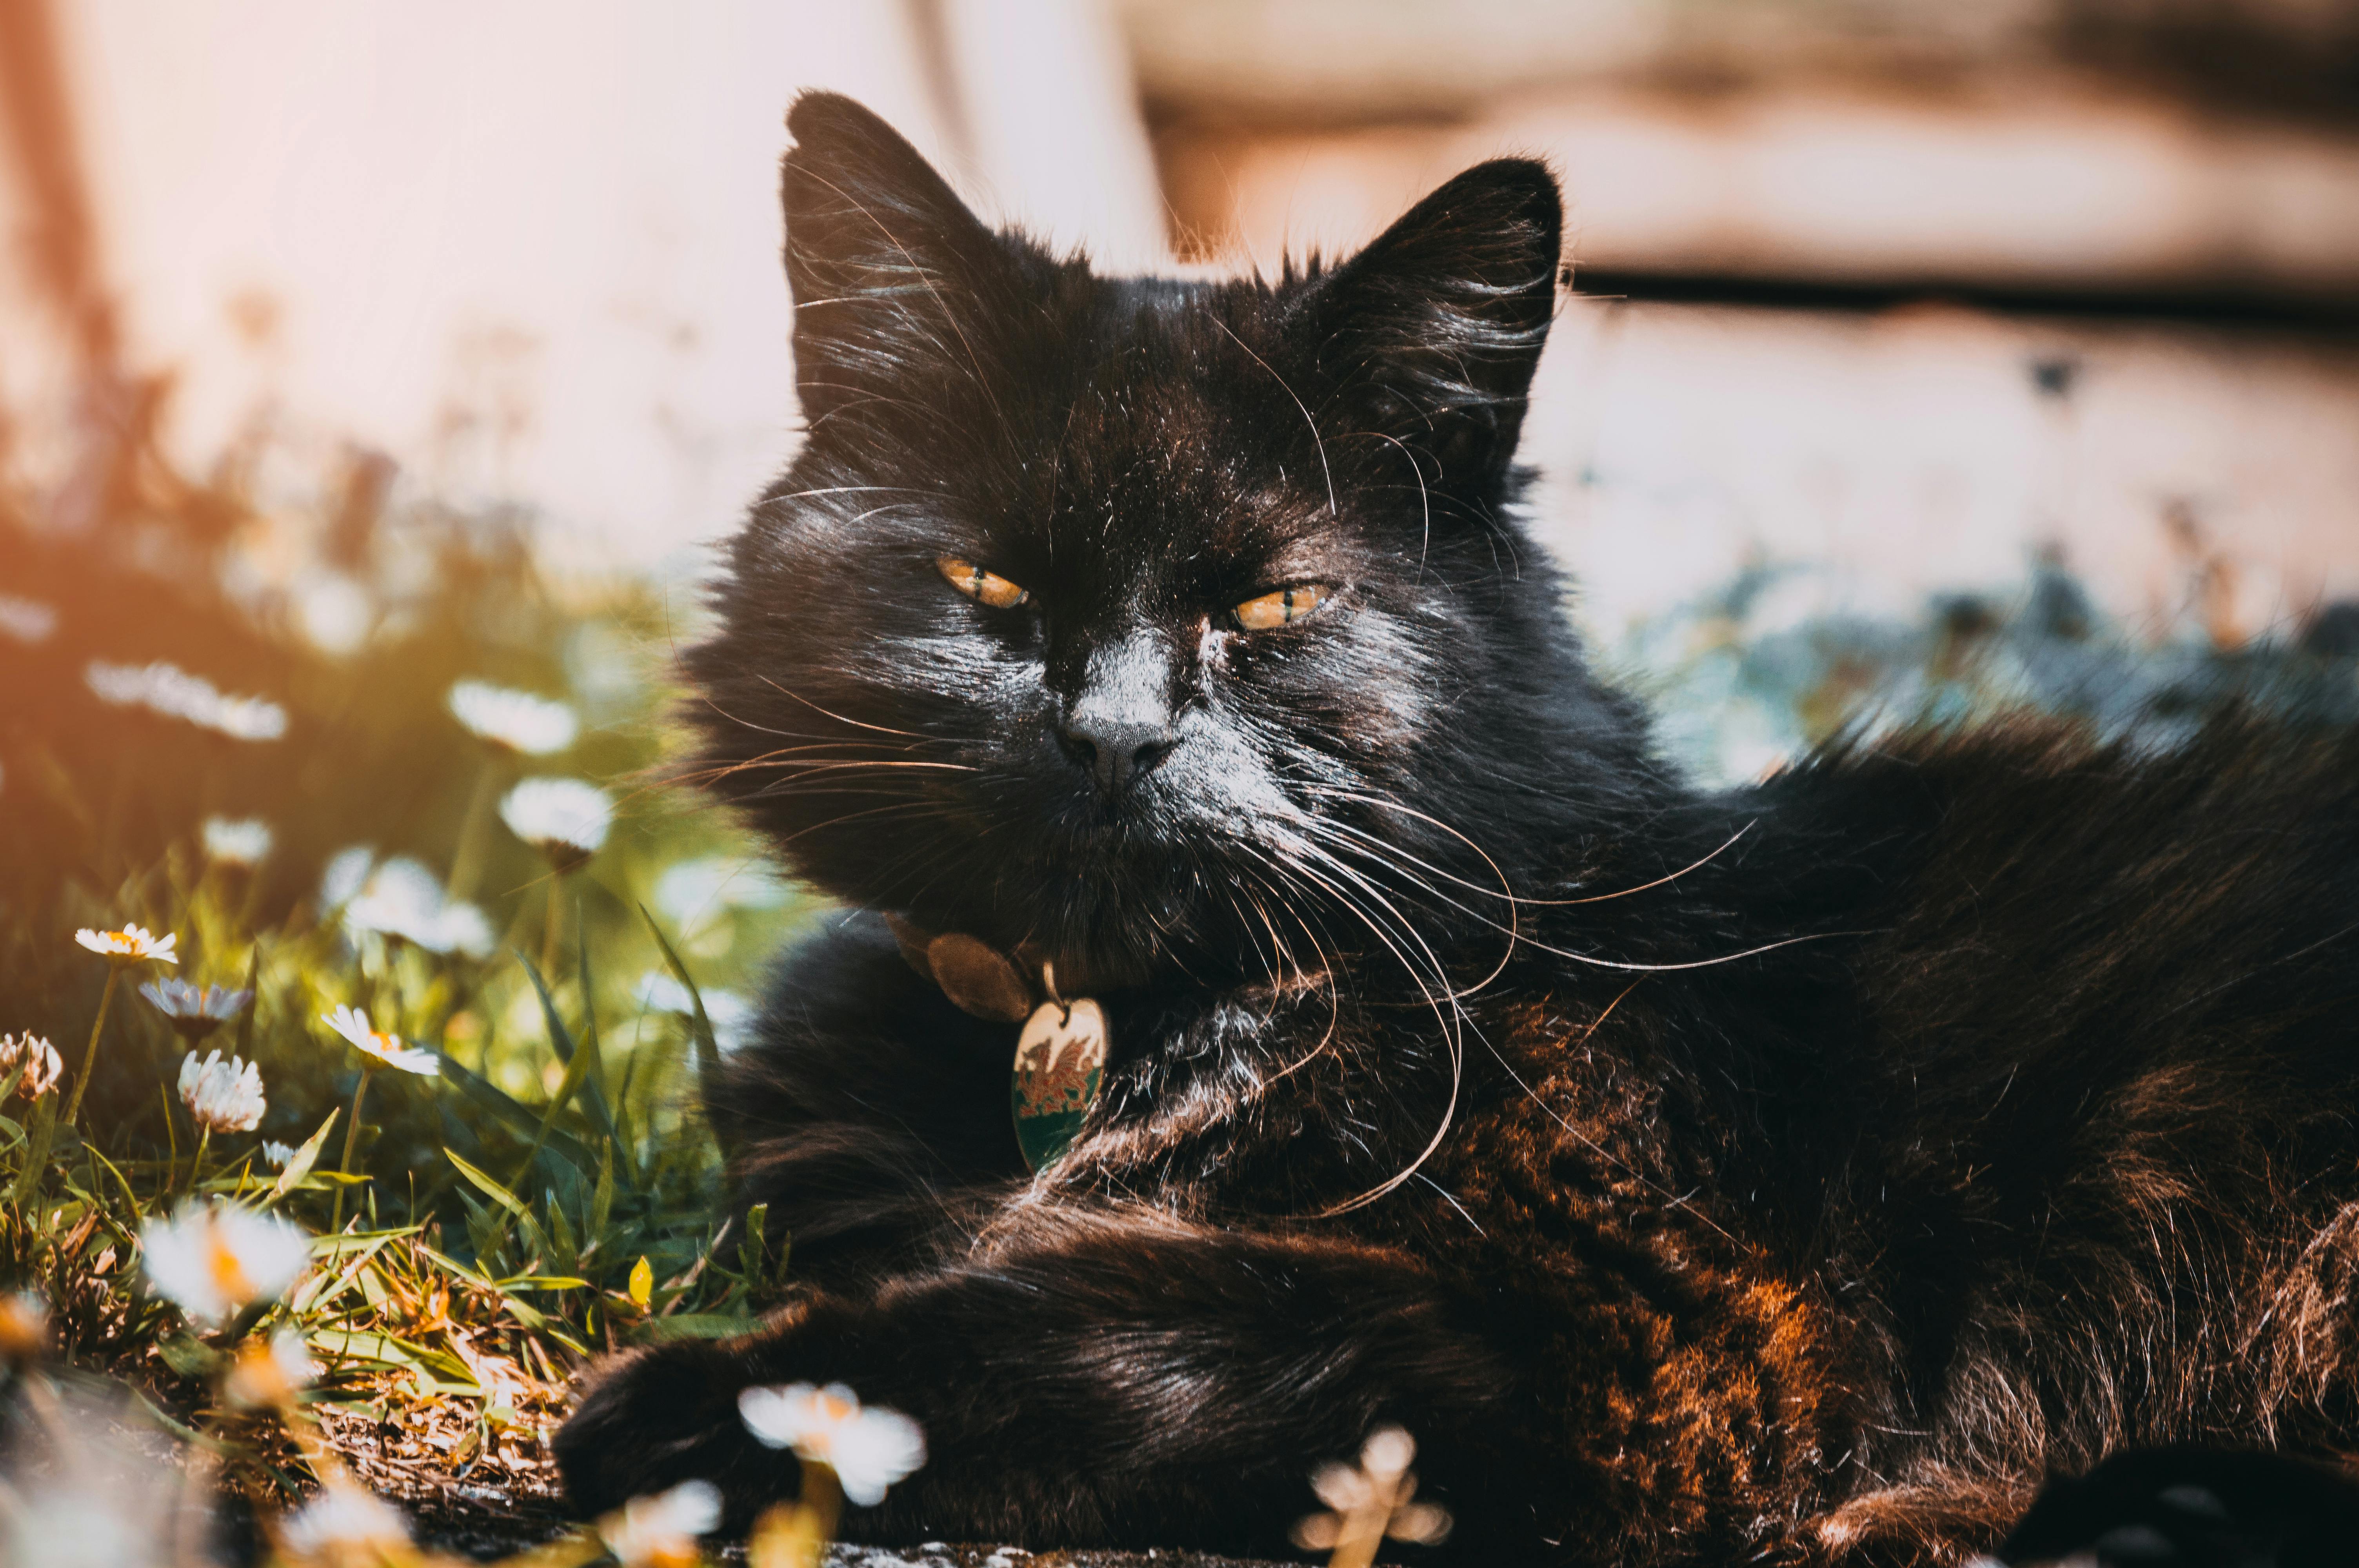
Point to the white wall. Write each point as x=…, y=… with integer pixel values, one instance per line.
x=530, y=249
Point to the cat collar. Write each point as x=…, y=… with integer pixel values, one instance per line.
x=1061, y=1053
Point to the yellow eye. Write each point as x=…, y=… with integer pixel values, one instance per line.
x=1278, y=608
x=982, y=586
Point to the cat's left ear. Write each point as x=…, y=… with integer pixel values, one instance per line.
x=1433, y=333
x=892, y=274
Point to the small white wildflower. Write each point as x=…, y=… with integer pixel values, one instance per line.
x=40, y=1058
x=690, y=892
x=222, y=1095
x=271, y=1374
x=400, y=897
x=868, y=1449
x=565, y=819
x=353, y=1024
x=1371, y=1502
x=215, y=1259
x=661, y=992
x=194, y=1011
x=732, y=1018
x=276, y=1155
x=463, y=928
x=345, y=1526
x=237, y=840
x=731, y=1015
x=660, y=1531
x=169, y=689
x=132, y=945
x=26, y=619
x=513, y=721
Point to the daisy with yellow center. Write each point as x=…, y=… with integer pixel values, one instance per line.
x=270, y=1377
x=215, y=1259
x=384, y=1048
x=868, y=1448
x=132, y=945
x=847, y=1451
x=660, y=1531
x=377, y=1048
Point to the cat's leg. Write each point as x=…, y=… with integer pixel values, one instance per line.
x=1101, y=1377
x=869, y=1114
x=2193, y=1508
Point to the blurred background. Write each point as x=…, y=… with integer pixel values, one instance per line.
x=1923, y=357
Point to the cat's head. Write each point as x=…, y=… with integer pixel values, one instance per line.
x=1133, y=618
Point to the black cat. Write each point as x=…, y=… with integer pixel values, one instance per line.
x=1799, y=1175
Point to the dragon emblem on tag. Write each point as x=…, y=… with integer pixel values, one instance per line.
x=1059, y=1065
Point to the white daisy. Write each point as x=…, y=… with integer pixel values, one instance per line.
x=661, y=992
x=276, y=1155
x=215, y=1259
x=42, y=1067
x=169, y=689
x=222, y=1095
x=731, y=1015
x=132, y=945
x=566, y=819
x=400, y=897
x=194, y=1011
x=463, y=928
x=26, y=619
x=346, y=1526
x=660, y=1531
x=868, y=1449
x=1370, y=1501
x=513, y=721
x=270, y=1376
x=353, y=1024
x=237, y=840
x=690, y=892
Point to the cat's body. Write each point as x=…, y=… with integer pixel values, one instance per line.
x=1796, y=1175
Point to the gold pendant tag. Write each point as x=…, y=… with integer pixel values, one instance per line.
x=1059, y=1065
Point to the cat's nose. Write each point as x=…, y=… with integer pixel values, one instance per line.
x=1115, y=750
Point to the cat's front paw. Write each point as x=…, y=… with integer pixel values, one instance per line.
x=2192, y=1507
x=658, y=1417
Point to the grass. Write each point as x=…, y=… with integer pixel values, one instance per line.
x=549, y=1192
x=546, y=1191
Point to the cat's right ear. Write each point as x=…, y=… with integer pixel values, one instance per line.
x=1433, y=330
x=890, y=272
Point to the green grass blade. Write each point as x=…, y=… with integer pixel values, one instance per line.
x=517, y=1118
x=490, y=1185
x=594, y=1103
x=708, y=1049
x=40, y=1130
x=299, y=1163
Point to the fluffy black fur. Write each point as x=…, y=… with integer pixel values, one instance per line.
x=1797, y=1176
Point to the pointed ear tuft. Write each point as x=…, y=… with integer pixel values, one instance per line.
x=1434, y=330
x=885, y=261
